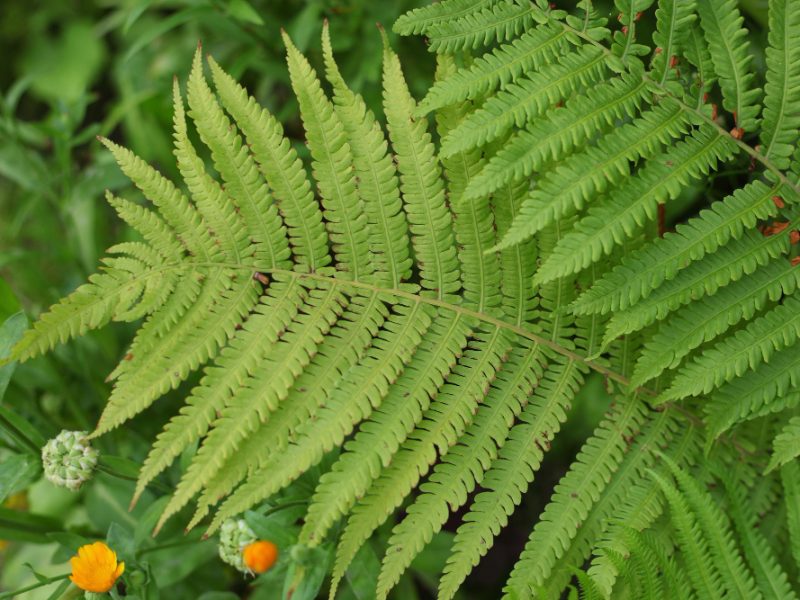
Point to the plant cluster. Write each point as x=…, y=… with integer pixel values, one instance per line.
x=416, y=319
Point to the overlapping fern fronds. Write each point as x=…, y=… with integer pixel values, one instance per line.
x=427, y=314
x=609, y=140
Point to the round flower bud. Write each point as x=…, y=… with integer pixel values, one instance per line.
x=68, y=459
x=234, y=536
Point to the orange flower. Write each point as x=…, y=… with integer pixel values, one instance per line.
x=260, y=556
x=95, y=568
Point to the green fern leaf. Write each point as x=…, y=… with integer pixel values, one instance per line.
x=444, y=423
x=254, y=403
x=387, y=429
x=771, y=387
x=617, y=217
x=333, y=168
x=705, y=579
x=790, y=476
x=736, y=577
x=234, y=364
x=581, y=176
x=234, y=163
x=703, y=321
x=642, y=272
x=702, y=278
x=527, y=98
x=786, y=446
x=351, y=402
x=229, y=231
x=674, y=19
x=496, y=22
x=534, y=49
x=725, y=36
x=732, y=357
x=779, y=131
x=572, y=501
x=341, y=350
x=377, y=178
x=429, y=219
x=421, y=19
x=769, y=574
x=563, y=131
x=281, y=168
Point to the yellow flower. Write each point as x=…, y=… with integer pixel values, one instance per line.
x=260, y=556
x=95, y=568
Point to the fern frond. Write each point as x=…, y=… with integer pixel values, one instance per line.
x=577, y=179
x=772, y=386
x=282, y=170
x=235, y=363
x=390, y=424
x=705, y=579
x=790, y=477
x=453, y=410
x=708, y=318
x=261, y=394
x=630, y=206
x=698, y=56
x=341, y=350
x=560, y=133
x=786, y=446
x=572, y=500
x=758, y=341
x=497, y=22
x=701, y=278
x=160, y=236
x=405, y=326
x=640, y=509
x=769, y=574
x=333, y=168
x=229, y=231
x=473, y=220
x=234, y=163
x=726, y=39
x=378, y=185
x=520, y=102
x=351, y=402
x=779, y=130
x=645, y=270
x=674, y=19
x=640, y=452
x=421, y=19
x=728, y=560
x=89, y=307
x=517, y=263
x=429, y=219
x=180, y=215
x=163, y=364
x=534, y=49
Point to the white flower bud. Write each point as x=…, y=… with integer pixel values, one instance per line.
x=68, y=459
x=234, y=535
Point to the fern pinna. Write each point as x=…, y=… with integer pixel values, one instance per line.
x=430, y=308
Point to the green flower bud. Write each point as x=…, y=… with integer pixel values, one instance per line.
x=68, y=459
x=234, y=535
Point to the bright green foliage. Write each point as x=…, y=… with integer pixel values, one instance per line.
x=674, y=21
x=725, y=36
x=707, y=562
x=416, y=319
x=787, y=444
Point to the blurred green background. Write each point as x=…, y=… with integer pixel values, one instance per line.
x=72, y=70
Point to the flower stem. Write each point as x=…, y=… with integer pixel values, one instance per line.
x=38, y=584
